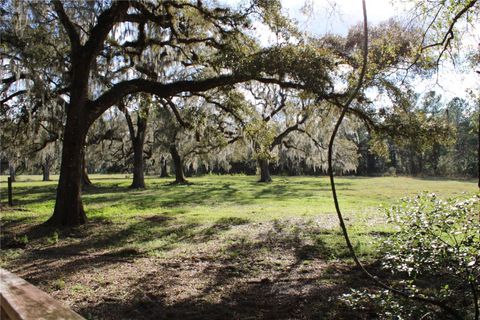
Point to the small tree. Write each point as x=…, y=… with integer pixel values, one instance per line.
x=138, y=135
x=275, y=114
x=194, y=130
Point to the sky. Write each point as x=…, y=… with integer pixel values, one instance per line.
x=329, y=16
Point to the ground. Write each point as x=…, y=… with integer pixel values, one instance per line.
x=222, y=247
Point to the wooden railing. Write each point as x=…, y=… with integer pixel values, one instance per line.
x=20, y=300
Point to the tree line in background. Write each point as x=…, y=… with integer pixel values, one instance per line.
x=452, y=153
x=195, y=135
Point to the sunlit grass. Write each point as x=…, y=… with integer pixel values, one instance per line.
x=214, y=197
x=212, y=204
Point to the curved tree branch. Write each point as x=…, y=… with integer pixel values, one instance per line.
x=354, y=93
x=68, y=25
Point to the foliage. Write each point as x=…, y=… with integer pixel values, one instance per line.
x=460, y=157
x=108, y=136
x=424, y=135
x=201, y=131
x=444, y=22
x=435, y=252
x=90, y=55
x=383, y=304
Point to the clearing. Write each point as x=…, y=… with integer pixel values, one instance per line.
x=223, y=247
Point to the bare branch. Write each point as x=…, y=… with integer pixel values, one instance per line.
x=449, y=35
x=104, y=25
x=68, y=25
x=13, y=95
x=175, y=111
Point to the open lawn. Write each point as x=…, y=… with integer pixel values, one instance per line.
x=223, y=247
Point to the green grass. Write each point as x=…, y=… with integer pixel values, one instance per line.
x=228, y=237
x=213, y=204
x=215, y=197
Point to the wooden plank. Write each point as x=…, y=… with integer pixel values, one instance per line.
x=20, y=300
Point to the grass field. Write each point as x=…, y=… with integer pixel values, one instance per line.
x=223, y=247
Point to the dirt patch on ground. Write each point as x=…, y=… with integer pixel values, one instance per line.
x=268, y=270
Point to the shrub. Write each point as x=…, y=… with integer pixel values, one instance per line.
x=435, y=253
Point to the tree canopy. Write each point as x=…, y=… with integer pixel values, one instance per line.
x=80, y=59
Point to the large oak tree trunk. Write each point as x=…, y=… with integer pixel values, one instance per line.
x=264, y=171
x=68, y=206
x=86, y=182
x=80, y=114
x=178, y=165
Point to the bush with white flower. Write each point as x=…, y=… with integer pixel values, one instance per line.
x=435, y=252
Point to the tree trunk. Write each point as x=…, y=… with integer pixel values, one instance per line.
x=413, y=166
x=86, y=182
x=420, y=165
x=163, y=168
x=138, y=141
x=46, y=169
x=11, y=171
x=435, y=158
x=264, y=171
x=178, y=165
x=138, y=164
x=80, y=116
x=68, y=206
x=371, y=164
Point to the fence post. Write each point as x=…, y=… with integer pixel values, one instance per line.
x=10, y=200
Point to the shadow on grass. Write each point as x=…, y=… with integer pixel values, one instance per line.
x=101, y=239
x=7, y=223
x=242, y=285
x=240, y=280
x=169, y=196
x=262, y=300
x=221, y=225
x=429, y=178
x=33, y=194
